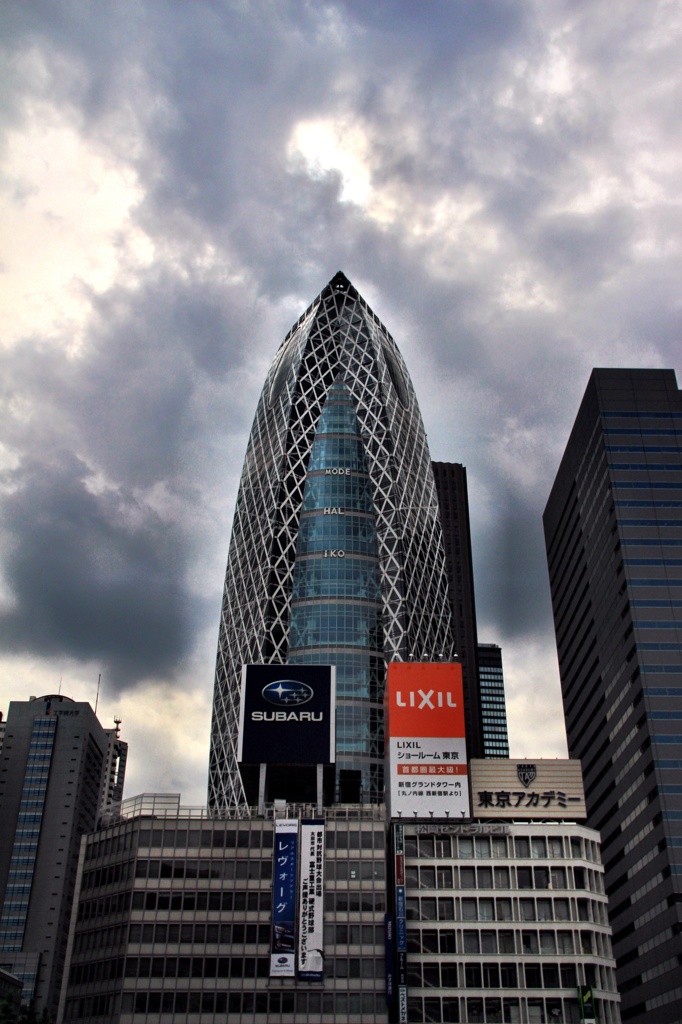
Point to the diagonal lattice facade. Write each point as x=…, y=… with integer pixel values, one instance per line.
x=337, y=342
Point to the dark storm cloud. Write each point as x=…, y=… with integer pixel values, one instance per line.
x=94, y=571
x=93, y=576
x=526, y=156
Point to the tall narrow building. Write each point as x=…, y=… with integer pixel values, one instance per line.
x=493, y=703
x=59, y=771
x=613, y=528
x=453, y=501
x=336, y=554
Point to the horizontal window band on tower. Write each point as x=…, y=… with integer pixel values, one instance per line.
x=653, y=561
x=659, y=582
x=325, y=625
x=351, y=534
x=608, y=415
x=338, y=453
x=350, y=493
x=656, y=524
x=647, y=485
x=350, y=577
x=656, y=449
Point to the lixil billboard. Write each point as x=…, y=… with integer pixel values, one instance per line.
x=427, y=775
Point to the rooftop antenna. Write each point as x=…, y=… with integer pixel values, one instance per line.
x=60, y=685
x=99, y=680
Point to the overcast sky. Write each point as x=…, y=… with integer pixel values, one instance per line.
x=501, y=182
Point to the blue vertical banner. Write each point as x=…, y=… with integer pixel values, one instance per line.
x=311, y=916
x=285, y=879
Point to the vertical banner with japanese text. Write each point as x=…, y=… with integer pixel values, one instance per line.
x=311, y=902
x=400, y=922
x=285, y=874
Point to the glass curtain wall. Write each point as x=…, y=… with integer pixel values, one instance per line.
x=336, y=596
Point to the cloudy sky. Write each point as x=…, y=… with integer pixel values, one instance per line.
x=501, y=181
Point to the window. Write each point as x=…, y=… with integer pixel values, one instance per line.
x=568, y=975
x=486, y=910
x=522, y=846
x=541, y=878
x=427, y=878
x=446, y=908
x=503, y=909
x=472, y=976
x=482, y=847
x=533, y=975
x=508, y=976
x=501, y=878
x=550, y=975
x=527, y=910
x=506, y=942
x=524, y=877
x=544, y=910
x=469, y=912
x=443, y=877
x=466, y=847
x=471, y=942
x=431, y=975
x=491, y=975
x=488, y=942
x=467, y=878
x=538, y=847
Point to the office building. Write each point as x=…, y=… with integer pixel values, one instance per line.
x=504, y=914
x=613, y=528
x=336, y=554
x=175, y=917
x=453, y=503
x=493, y=703
x=58, y=767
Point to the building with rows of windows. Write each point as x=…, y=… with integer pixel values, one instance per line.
x=613, y=529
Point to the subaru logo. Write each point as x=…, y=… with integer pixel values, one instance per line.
x=288, y=693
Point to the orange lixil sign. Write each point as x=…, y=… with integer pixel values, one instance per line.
x=424, y=699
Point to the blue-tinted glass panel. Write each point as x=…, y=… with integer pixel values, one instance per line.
x=353, y=493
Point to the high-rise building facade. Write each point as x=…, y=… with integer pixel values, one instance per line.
x=58, y=768
x=336, y=554
x=453, y=503
x=493, y=703
x=613, y=528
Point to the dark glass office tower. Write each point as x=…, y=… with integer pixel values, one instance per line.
x=453, y=501
x=60, y=769
x=493, y=703
x=336, y=553
x=613, y=528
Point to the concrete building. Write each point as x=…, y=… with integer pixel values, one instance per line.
x=58, y=767
x=175, y=912
x=503, y=915
x=613, y=528
x=453, y=503
x=493, y=703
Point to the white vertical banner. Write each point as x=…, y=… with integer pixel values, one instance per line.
x=311, y=902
